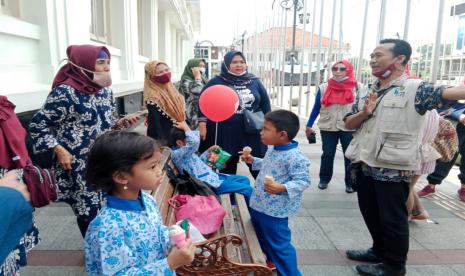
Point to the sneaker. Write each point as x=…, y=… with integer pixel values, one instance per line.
x=420, y=216
x=426, y=191
x=270, y=265
x=323, y=185
x=461, y=194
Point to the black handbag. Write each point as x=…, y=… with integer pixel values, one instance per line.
x=253, y=121
x=187, y=184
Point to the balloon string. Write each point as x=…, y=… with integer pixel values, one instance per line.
x=216, y=133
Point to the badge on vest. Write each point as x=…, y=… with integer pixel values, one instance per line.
x=399, y=91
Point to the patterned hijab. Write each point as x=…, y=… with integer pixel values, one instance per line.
x=188, y=75
x=231, y=79
x=84, y=56
x=165, y=96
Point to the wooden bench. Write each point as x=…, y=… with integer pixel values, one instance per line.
x=234, y=250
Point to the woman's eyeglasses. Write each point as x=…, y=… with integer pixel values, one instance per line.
x=340, y=69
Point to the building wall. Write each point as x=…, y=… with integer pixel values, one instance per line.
x=35, y=36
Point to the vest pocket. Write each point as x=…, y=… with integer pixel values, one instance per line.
x=397, y=149
x=353, y=151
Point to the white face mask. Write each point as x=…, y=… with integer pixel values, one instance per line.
x=340, y=78
x=103, y=79
x=202, y=70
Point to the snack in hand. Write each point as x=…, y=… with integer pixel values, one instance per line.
x=246, y=151
x=177, y=235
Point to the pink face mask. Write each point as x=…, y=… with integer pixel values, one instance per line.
x=103, y=79
x=165, y=78
x=386, y=72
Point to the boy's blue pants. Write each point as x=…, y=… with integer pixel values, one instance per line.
x=274, y=236
x=235, y=184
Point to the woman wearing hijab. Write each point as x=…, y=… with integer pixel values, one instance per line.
x=164, y=103
x=79, y=108
x=231, y=133
x=18, y=234
x=333, y=101
x=192, y=82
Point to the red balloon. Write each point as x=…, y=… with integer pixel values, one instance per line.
x=218, y=102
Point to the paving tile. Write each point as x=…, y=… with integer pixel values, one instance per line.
x=59, y=233
x=52, y=271
x=306, y=234
x=326, y=270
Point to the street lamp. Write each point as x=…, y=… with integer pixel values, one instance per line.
x=296, y=5
x=242, y=43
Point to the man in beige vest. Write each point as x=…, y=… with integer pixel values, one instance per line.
x=387, y=149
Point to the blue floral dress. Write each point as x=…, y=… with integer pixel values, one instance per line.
x=128, y=238
x=73, y=120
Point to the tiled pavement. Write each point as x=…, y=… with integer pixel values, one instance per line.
x=328, y=223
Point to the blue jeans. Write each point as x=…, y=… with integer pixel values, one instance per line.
x=274, y=237
x=330, y=140
x=232, y=183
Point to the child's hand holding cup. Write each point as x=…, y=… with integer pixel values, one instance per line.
x=177, y=235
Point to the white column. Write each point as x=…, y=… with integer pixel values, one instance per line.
x=318, y=54
x=434, y=70
x=362, y=43
x=382, y=15
x=340, y=51
x=124, y=35
x=310, y=60
x=329, y=58
x=407, y=19
x=302, y=57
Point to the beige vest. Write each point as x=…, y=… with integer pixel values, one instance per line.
x=392, y=137
x=331, y=117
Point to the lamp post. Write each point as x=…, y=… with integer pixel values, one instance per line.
x=296, y=5
x=242, y=41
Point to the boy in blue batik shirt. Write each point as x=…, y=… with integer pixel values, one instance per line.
x=284, y=175
x=185, y=143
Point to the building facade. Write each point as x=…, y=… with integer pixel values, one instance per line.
x=34, y=35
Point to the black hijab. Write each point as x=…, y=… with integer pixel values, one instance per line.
x=228, y=77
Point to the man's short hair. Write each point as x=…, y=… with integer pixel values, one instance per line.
x=284, y=120
x=401, y=47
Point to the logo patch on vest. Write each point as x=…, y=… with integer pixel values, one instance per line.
x=399, y=91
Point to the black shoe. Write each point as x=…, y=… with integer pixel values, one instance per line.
x=323, y=185
x=349, y=189
x=364, y=256
x=380, y=270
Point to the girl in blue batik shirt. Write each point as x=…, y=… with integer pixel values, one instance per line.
x=186, y=143
x=278, y=190
x=128, y=237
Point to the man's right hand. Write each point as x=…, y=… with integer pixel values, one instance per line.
x=203, y=130
x=64, y=157
x=309, y=131
x=370, y=104
x=10, y=180
x=462, y=118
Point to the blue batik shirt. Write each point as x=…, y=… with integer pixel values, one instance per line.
x=288, y=166
x=186, y=159
x=128, y=238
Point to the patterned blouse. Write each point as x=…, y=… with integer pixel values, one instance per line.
x=288, y=166
x=427, y=97
x=128, y=238
x=73, y=120
x=191, y=90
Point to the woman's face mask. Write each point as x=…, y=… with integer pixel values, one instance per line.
x=102, y=79
x=202, y=70
x=163, y=78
